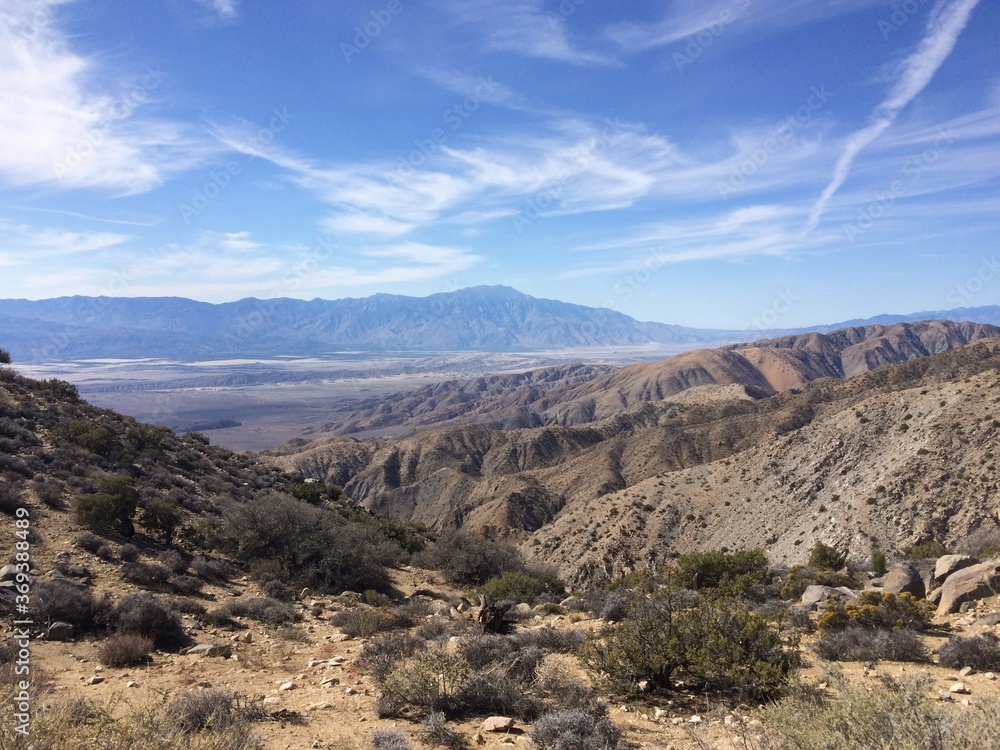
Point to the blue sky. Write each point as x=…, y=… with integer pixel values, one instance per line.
x=734, y=163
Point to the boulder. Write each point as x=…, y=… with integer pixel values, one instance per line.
x=969, y=584
x=60, y=631
x=8, y=573
x=223, y=650
x=816, y=595
x=498, y=724
x=573, y=604
x=904, y=579
x=949, y=564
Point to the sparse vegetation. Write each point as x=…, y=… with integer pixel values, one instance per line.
x=980, y=652
x=825, y=557
x=733, y=571
x=876, y=609
x=469, y=558
x=125, y=650
x=857, y=643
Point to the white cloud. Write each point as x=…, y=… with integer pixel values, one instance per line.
x=946, y=22
x=226, y=10
x=60, y=126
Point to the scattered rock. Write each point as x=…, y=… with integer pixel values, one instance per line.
x=966, y=671
x=904, y=579
x=695, y=719
x=816, y=595
x=660, y=713
x=949, y=564
x=59, y=631
x=959, y=688
x=223, y=650
x=95, y=680
x=969, y=584
x=271, y=700
x=498, y=724
x=285, y=686
x=132, y=684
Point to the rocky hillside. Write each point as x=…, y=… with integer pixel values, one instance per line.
x=579, y=394
x=900, y=454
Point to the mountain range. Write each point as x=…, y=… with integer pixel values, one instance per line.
x=486, y=318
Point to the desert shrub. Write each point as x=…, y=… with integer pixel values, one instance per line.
x=192, y=712
x=468, y=558
x=312, y=546
x=49, y=491
x=187, y=585
x=876, y=609
x=610, y=606
x=389, y=739
x=263, y=609
x=141, y=614
x=879, y=561
x=825, y=557
x=93, y=438
x=10, y=497
x=362, y=622
x=435, y=732
x=556, y=680
x=383, y=653
x=218, y=570
x=897, y=715
x=871, y=645
x=186, y=606
x=144, y=574
x=980, y=652
x=52, y=601
x=924, y=550
x=517, y=586
x=576, y=729
x=161, y=518
x=173, y=560
x=89, y=541
x=143, y=437
x=429, y=681
x=719, y=641
x=734, y=571
x=125, y=650
x=497, y=690
x=548, y=638
x=800, y=577
x=129, y=553
x=113, y=505
x=983, y=543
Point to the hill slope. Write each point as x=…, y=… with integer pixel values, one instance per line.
x=578, y=394
x=900, y=454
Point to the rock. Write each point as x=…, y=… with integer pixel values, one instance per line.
x=904, y=579
x=350, y=691
x=660, y=713
x=934, y=597
x=573, y=604
x=132, y=684
x=959, y=688
x=8, y=573
x=338, y=637
x=59, y=631
x=695, y=719
x=78, y=571
x=304, y=594
x=991, y=676
x=286, y=686
x=271, y=700
x=969, y=584
x=521, y=610
x=816, y=595
x=643, y=686
x=949, y=564
x=498, y=724
x=95, y=680
x=223, y=650
x=479, y=739
x=966, y=671
x=993, y=618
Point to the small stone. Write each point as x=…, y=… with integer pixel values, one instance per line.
x=677, y=720
x=98, y=668
x=498, y=724
x=660, y=713
x=59, y=631
x=313, y=663
x=271, y=700
x=288, y=686
x=479, y=739
x=695, y=719
x=322, y=706
x=643, y=686
x=350, y=691
x=132, y=684
x=966, y=671
x=959, y=688
x=330, y=682
x=95, y=680
x=991, y=676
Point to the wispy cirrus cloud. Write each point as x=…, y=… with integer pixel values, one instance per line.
x=945, y=24
x=64, y=126
x=25, y=245
x=225, y=10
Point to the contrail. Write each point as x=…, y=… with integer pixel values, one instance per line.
x=946, y=22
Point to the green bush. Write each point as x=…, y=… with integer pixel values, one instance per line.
x=715, y=640
x=469, y=558
x=879, y=566
x=113, y=504
x=924, y=550
x=876, y=609
x=516, y=586
x=162, y=518
x=824, y=557
x=734, y=571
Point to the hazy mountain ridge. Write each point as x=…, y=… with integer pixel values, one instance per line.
x=883, y=455
x=485, y=318
x=575, y=394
